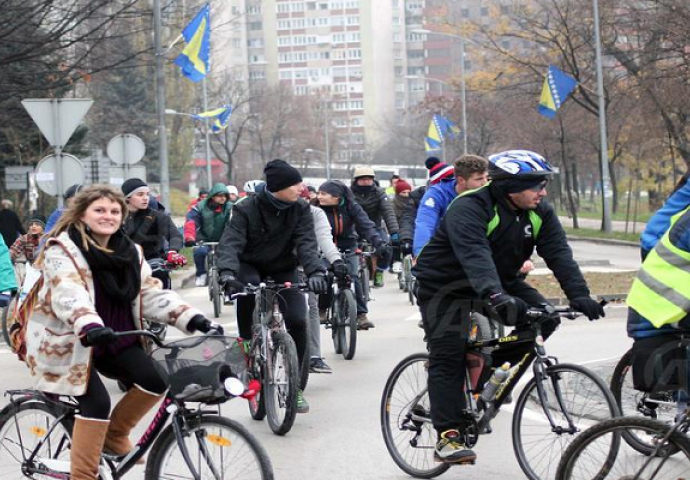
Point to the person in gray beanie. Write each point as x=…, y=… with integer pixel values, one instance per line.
x=269, y=235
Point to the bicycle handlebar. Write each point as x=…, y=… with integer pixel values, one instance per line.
x=250, y=289
x=561, y=311
x=151, y=335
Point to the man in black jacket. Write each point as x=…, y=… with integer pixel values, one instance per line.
x=10, y=225
x=473, y=260
x=151, y=228
x=269, y=235
x=348, y=223
x=374, y=201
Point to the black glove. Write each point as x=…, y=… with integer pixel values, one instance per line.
x=507, y=309
x=340, y=269
x=406, y=247
x=230, y=284
x=199, y=323
x=100, y=336
x=591, y=308
x=189, y=243
x=318, y=283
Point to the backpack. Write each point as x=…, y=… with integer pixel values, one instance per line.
x=16, y=326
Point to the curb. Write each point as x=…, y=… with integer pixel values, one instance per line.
x=603, y=241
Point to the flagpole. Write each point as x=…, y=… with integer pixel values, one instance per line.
x=606, y=220
x=209, y=170
x=160, y=93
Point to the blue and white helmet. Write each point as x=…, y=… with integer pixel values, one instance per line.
x=519, y=164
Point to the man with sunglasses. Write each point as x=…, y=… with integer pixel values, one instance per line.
x=473, y=262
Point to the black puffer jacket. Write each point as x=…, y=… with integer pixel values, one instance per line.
x=154, y=231
x=462, y=258
x=409, y=216
x=375, y=202
x=269, y=239
x=348, y=224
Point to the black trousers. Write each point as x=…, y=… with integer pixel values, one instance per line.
x=293, y=306
x=131, y=366
x=446, y=318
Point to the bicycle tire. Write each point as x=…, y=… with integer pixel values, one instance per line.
x=582, y=409
x=395, y=411
x=335, y=326
x=216, y=294
x=5, y=329
x=14, y=434
x=618, y=458
x=630, y=401
x=283, y=360
x=347, y=323
x=364, y=279
x=247, y=459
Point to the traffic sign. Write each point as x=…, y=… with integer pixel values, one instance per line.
x=126, y=149
x=15, y=177
x=47, y=173
x=118, y=174
x=57, y=118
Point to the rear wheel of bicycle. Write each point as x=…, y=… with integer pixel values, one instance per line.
x=406, y=419
x=218, y=448
x=281, y=383
x=599, y=454
x=22, y=429
x=347, y=323
x=364, y=281
x=216, y=294
x=335, y=329
x=585, y=397
x=633, y=403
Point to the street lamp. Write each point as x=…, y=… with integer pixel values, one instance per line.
x=209, y=174
x=326, y=155
x=463, y=89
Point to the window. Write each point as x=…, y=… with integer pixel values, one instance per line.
x=283, y=7
x=254, y=9
x=465, y=12
x=255, y=43
x=257, y=59
x=257, y=75
x=285, y=75
x=353, y=20
x=236, y=43
x=301, y=90
x=254, y=25
x=484, y=11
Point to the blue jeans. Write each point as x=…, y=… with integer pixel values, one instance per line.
x=200, y=254
x=384, y=254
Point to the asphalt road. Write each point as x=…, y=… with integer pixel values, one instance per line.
x=340, y=438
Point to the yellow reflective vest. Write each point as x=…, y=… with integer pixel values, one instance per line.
x=661, y=291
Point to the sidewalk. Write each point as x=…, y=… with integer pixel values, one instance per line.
x=595, y=223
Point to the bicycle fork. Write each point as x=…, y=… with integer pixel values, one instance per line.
x=180, y=433
x=541, y=364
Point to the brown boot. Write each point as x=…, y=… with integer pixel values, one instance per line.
x=363, y=323
x=87, y=442
x=127, y=413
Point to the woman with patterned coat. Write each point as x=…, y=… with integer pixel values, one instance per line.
x=96, y=283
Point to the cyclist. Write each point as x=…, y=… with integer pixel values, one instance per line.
x=400, y=201
x=205, y=223
x=55, y=216
x=269, y=235
x=375, y=203
x=203, y=195
x=658, y=300
x=11, y=227
x=27, y=245
x=348, y=223
x=8, y=282
x=390, y=191
x=438, y=172
x=152, y=229
x=233, y=194
x=96, y=284
x=250, y=186
x=475, y=256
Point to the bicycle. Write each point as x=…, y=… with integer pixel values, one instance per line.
x=407, y=278
x=216, y=294
x=5, y=315
x=551, y=410
x=365, y=269
x=599, y=454
x=342, y=316
x=273, y=358
x=198, y=443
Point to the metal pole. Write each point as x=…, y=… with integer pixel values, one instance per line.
x=209, y=172
x=463, y=94
x=328, y=150
x=58, y=154
x=606, y=220
x=160, y=94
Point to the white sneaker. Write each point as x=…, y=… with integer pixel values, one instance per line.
x=397, y=267
x=200, y=281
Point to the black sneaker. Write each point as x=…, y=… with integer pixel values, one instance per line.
x=317, y=365
x=450, y=449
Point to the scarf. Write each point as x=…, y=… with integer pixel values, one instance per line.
x=118, y=273
x=277, y=203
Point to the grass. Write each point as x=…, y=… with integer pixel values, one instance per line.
x=595, y=233
x=600, y=283
x=593, y=210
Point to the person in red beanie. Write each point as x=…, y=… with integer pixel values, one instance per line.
x=400, y=201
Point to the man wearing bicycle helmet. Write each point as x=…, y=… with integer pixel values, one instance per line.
x=473, y=260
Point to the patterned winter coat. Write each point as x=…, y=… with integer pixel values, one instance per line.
x=66, y=304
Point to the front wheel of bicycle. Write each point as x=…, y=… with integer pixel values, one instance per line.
x=568, y=388
x=347, y=323
x=21, y=430
x=406, y=419
x=598, y=453
x=280, y=383
x=5, y=318
x=633, y=403
x=364, y=278
x=218, y=448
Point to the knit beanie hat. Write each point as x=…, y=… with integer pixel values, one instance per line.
x=132, y=186
x=401, y=186
x=39, y=219
x=280, y=175
x=438, y=170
